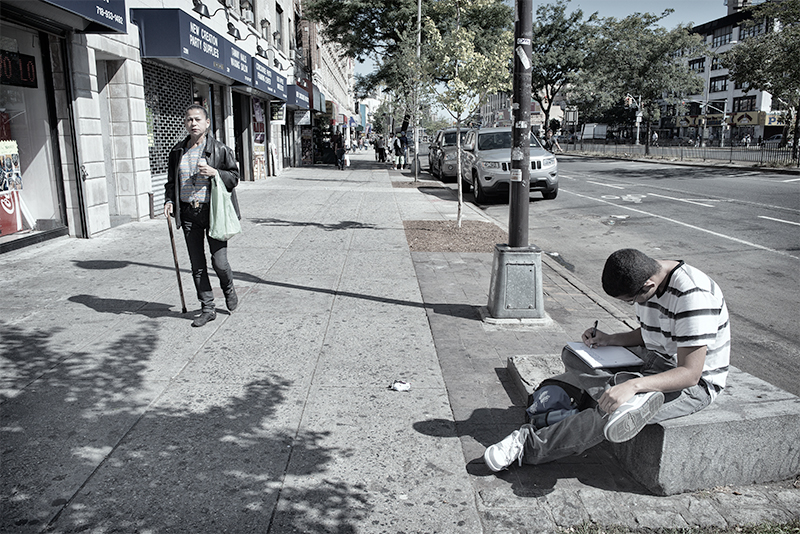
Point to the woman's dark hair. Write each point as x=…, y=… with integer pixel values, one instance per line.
x=196, y=106
x=626, y=271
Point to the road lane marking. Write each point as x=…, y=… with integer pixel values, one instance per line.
x=681, y=200
x=778, y=220
x=606, y=185
x=790, y=180
x=681, y=223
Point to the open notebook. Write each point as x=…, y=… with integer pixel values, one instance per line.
x=605, y=356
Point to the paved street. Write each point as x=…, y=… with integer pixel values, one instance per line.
x=117, y=416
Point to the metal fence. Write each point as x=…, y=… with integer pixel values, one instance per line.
x=755, y=155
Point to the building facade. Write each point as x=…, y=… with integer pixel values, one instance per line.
x=725, y=111
x=92, y=97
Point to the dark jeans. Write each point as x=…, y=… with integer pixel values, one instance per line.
x=195, y=224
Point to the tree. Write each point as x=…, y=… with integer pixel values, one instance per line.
x=380, y=29
x=768, y=62
x=467, y=65
x=559, y=50
x=633, y=56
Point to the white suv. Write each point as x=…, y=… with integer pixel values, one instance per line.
x=487, y=165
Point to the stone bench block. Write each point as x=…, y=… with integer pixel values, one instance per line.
x=749, y=435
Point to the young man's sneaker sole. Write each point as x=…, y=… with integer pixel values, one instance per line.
x=631, y=417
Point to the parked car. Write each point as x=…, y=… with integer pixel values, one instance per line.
x=775, y=141
x=487, y=165
x=442, y=154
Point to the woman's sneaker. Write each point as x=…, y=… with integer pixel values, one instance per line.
x=631, y=417
x=501, y=455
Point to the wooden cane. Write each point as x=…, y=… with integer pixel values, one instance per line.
x=177, y=268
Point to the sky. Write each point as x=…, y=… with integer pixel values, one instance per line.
x=686, y=11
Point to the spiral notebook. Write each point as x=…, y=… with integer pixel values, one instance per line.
x=605, y=356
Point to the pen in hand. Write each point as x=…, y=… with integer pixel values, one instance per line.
x=594, y=333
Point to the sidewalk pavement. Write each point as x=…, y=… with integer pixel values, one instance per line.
x=118, y=416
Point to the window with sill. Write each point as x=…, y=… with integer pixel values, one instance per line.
x=747, y=32
x=745, y=103
x=722, y=36
x=698, y=65
x=718, y=84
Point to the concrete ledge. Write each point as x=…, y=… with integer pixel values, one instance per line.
x=749, y=435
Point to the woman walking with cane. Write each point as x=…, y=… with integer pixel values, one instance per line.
x=193, y=164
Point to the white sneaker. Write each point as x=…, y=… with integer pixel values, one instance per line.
x=501, y=455
x=629, y=419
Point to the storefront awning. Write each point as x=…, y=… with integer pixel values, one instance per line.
x=268, y=81
x=87, y=16
x=297, y=97
x=319, y=100
x=176, y=38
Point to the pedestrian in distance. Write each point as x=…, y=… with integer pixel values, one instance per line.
x=397, y=147
x=683, y=341
x=655, y=139
x=339, y=150
x=193, y=163
x=551, y=143
x=404, y=147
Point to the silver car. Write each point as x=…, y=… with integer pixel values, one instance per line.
x=487, y=165
x=442, y=155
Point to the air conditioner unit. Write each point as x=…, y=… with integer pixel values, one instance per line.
x=247, y=16
x=229, y=3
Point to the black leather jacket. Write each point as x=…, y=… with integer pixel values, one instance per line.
x=218, y=156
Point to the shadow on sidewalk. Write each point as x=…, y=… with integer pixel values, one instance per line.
x=100, y=304
x=596, y=467
x=343, y=225
x=93, y=444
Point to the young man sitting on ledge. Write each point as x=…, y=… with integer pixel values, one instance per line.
x=683, y=341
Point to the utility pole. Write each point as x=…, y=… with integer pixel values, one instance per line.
x=521, y=131
x=516, y=288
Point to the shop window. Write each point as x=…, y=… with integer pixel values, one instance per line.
x=31, y=190
x=718, y=84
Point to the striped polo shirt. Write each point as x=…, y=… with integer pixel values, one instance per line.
x=194, y=186
x=690, y=312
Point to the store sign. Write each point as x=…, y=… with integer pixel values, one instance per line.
x=267, y=80
x=239, y=65
x=775, y=119
x=107, y=13
x=172, y=33
x=17, y=69
x=297, y=96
